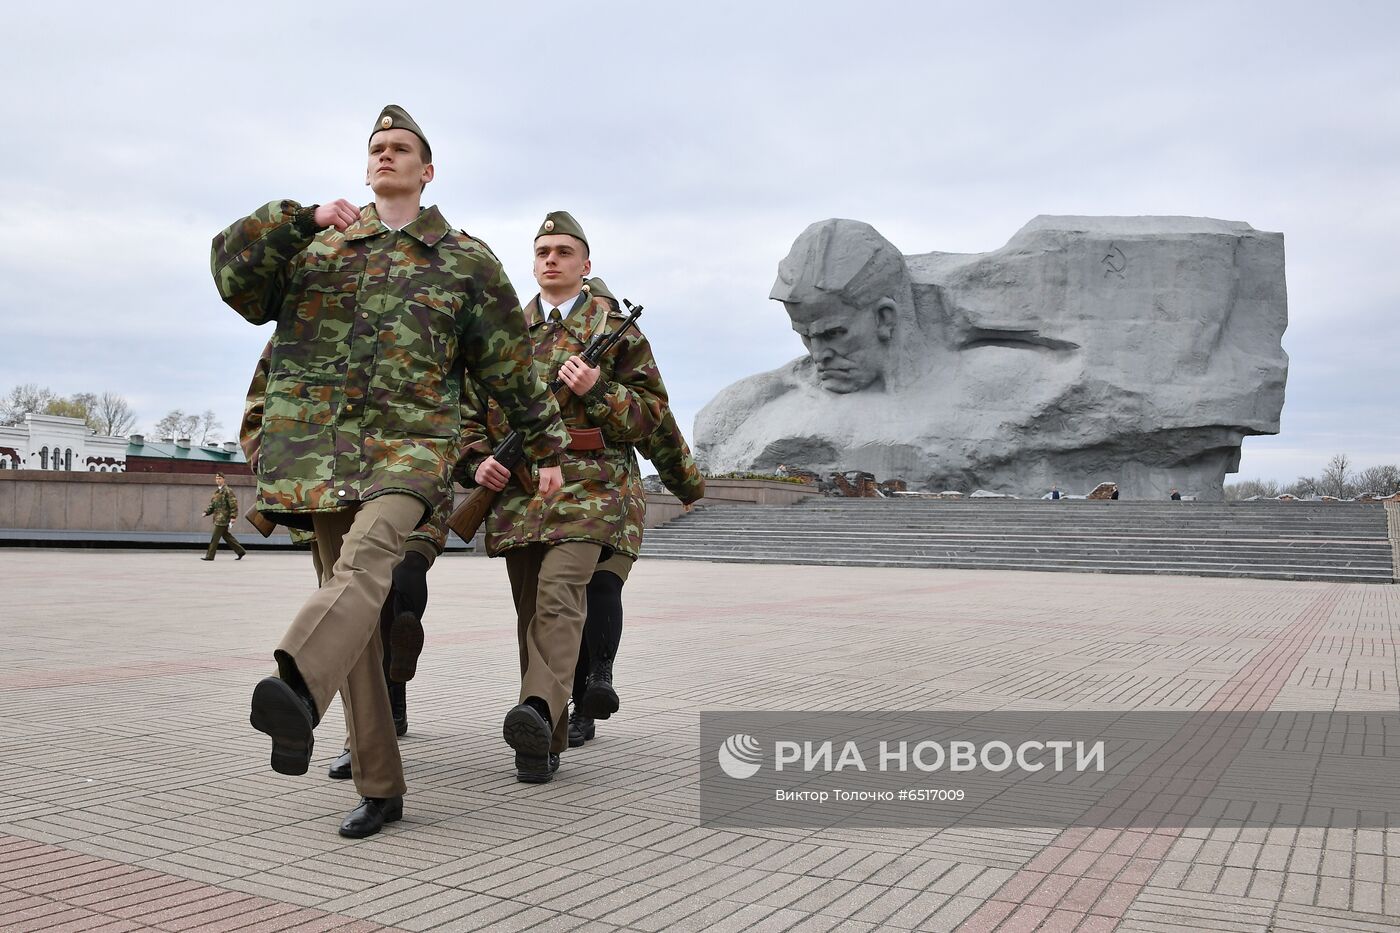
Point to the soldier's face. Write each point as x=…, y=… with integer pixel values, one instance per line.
x=849, y=345
x=396, y=165
x=218, y=481
x=561, y=264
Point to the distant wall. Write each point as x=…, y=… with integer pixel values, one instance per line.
x=38, y=499
x=63, y=501
x=662, y=506
x=139, y=464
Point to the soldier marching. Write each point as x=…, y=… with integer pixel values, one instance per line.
x=552, y=546
x=379, y=313
x=399, y=360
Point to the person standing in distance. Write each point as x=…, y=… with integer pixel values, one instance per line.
x=379, y=313
x=223, y=506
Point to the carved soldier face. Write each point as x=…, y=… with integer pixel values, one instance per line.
x=848, y=344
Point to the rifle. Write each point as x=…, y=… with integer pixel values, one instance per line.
x=467, y=517
x=264, y=526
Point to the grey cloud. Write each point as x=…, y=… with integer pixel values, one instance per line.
x=696, y=143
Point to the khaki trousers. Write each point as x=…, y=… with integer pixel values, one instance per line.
x=550, y=584
x=334, y=639
x=221, y=531
x=386, y=615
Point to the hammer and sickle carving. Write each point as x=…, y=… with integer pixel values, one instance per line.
x=1115, y=262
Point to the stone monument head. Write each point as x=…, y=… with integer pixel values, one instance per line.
x=847, y=290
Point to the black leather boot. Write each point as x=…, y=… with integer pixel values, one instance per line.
x=527, y=730
x=599, y=698
x=408, y=600
x=581, y=728
x=398, y=702
x=341, y=769
x=287, y=714
x=371, y=815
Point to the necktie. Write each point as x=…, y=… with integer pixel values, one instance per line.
x=554, y=316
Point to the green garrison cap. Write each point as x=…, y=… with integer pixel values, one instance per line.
x=597, y=288
x=562, y=222
x=394, y=117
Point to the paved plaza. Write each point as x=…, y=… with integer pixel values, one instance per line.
x=136, y=796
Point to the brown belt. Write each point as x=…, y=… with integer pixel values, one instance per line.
x=582, y=440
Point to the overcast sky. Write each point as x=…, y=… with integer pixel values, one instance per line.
x=694, y=143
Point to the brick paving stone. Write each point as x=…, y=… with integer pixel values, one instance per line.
x=462, y=911
x=1024, y=919
x=1298, y=919
x=1096, y=924
x=29, y=914
x=951, y=914
x=71, y=918
x=568, y=895
x=779, y=890
x=818, y=923
x=647, y=909
x=261, y=914
x=187, y=825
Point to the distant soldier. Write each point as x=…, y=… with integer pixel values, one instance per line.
x=223, y=506
x=594, y=695
x=552, y=548
x=379, y=313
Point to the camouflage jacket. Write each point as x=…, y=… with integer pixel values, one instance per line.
x=626, y=403
x=675, y=466
x=223, y=505
x=670, y=455
x=375, y=329
x=250, y=439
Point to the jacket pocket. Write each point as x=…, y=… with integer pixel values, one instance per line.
x=302, y=398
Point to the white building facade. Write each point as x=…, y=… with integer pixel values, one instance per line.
x=48, y=442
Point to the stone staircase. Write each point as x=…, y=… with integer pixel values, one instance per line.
x=1266, y=540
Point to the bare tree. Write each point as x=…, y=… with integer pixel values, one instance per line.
x=1249, y=488
x=177, y=424
x=24, y=400
x=1381, y=480
x=208, y=427
x=112, y=415
x=1303, y=487
x=1336, y=478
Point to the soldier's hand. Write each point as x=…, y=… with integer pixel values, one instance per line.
x=578, y=375
x=492, y=475
x=551, y=480
x=339, y=214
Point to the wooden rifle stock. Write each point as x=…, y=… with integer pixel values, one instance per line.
x=466, y=518
x=264, y=526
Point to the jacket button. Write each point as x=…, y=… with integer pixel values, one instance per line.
x=341, y=493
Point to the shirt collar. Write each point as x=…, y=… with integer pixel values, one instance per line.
x=564, y=307
x=579, y=321
x=427, y=228
x=537, y=310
